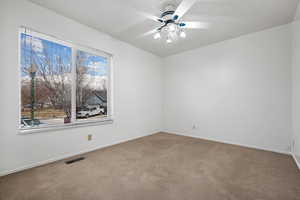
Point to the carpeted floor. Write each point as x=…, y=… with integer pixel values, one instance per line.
x=161, y=167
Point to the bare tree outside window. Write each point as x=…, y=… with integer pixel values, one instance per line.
x=52, y=71
x=46, y=96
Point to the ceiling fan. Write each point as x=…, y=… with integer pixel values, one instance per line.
x=172, y=26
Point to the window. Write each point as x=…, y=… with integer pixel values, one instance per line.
x=91, y=85
x=62, y=83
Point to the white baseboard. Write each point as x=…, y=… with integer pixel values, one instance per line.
x=227, y=142
x=297, y=160
x=37, y=164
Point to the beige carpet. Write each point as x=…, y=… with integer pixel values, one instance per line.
x=161, y=167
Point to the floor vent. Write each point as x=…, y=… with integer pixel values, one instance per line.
x=75, y=160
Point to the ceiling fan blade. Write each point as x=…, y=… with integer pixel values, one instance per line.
x=212, y=18
x=149, y=16
x=194, y=25
x=150, y=32
x=183, y=7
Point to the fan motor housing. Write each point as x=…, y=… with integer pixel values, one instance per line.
x=167, y=16
x=167, y=13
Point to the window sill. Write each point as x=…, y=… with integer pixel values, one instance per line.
x=24, y=131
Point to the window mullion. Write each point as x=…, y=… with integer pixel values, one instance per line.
x=60, y=100
x=73, y=90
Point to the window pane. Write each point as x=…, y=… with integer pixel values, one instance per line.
x=91, y=86
x=45, y=82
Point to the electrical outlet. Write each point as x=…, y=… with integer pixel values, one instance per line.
x=194, y=126
x=90, y=137
x=293, y=146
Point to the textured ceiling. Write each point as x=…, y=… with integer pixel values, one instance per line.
x=125, y=19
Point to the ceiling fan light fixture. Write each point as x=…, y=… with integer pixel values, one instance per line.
x=171, y=27
x=182, y=34
x=157, y=36
x=168, y=41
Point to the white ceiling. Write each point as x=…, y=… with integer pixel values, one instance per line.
x=228, y=19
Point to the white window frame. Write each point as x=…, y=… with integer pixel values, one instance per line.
x=74, y=48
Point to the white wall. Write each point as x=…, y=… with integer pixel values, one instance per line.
x=296, y=88
x=137, y=90
x=237, y=91
x=297, y=15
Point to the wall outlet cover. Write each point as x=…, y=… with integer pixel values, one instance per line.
x=90, y=137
